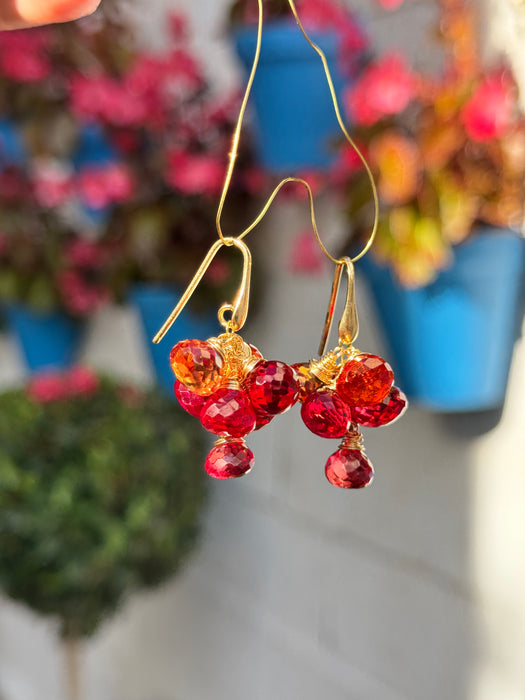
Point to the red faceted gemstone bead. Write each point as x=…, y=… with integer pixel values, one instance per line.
x=197, y=365
x=365, y=380
x=389, y=410
x=229, y=459
x=228, y=413
x=189, y=400
x=349, y=469
x=272, y=387
x=262, y=419
x=326, y=415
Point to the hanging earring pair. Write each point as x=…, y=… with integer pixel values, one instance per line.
x=346, y=389
x=226, y=382
x=233, y=390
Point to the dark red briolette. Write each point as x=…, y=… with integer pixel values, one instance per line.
x=272, y=387
x=326, y=414
x=229, y=413
x=349, y=469
x=229, y=459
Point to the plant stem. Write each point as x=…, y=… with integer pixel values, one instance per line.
x=71, y=648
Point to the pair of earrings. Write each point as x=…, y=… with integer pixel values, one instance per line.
x=227, y=384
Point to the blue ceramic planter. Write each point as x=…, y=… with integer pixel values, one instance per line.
x=295, y=123
x=47, y=341
x=154, y=303
x=452, y=341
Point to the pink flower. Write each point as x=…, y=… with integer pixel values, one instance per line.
x=178, y=26
x=488, y=114
x=52, y=183
x=197, y=174
x=322, y=14
x=80, y=297
x=347, y=164
x=100, y=97
x=390, y=4
x=385, y=88
x=100, y=186
x=299, y=191
x=306, y=256
x=27, y=66
x=47, y=387
x=81, y=381
x=184, y=68
x=81, y=253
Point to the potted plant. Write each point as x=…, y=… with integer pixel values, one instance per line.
x=295, y=123
x=111, y=161
x=101, y=495
x=447, y=267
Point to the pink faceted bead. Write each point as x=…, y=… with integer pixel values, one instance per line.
x=272, y=387
x=326, y=415
x=388, y=411
x=228, y=413
x=189, y=400
x=349, y=469
x=229, y=460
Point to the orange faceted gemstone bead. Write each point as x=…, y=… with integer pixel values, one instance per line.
x=307, y=382
x=365, y=380
x=197, y=365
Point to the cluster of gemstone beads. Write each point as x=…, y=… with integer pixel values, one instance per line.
x=343, y=390
x=233, y=390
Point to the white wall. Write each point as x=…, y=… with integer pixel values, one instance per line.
x=410, y=590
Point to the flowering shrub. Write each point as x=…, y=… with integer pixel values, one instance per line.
x=447, y=152
x=101, y=489
x=111, y=162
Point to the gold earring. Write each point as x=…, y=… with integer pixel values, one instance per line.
x=346, y=389
x=226, y=382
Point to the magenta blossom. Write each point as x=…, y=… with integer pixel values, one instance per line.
x=79, y=296
x=390, y=4
x=489, y=112
x=52, y=183
x=81, y=381
x=195, y=173
x=306, y=256
x=47, y=387
x=85, y=254
x=385, y=88
x=100, y=97
x=25, y=66
x=101, y=186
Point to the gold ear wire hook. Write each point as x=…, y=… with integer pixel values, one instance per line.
x=239, y=307
x=236, y=140
x=349, y=324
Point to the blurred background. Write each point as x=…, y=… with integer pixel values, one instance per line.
x=114, y=133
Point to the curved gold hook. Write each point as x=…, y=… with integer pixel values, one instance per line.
x=236, y=139
x=349, y=324
x=239, y=307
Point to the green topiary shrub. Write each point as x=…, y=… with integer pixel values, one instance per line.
x=101, y=489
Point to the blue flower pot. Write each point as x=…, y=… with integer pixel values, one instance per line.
x=154, y=304
x=48, y=340
x=452, y=341
x=295, y=123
